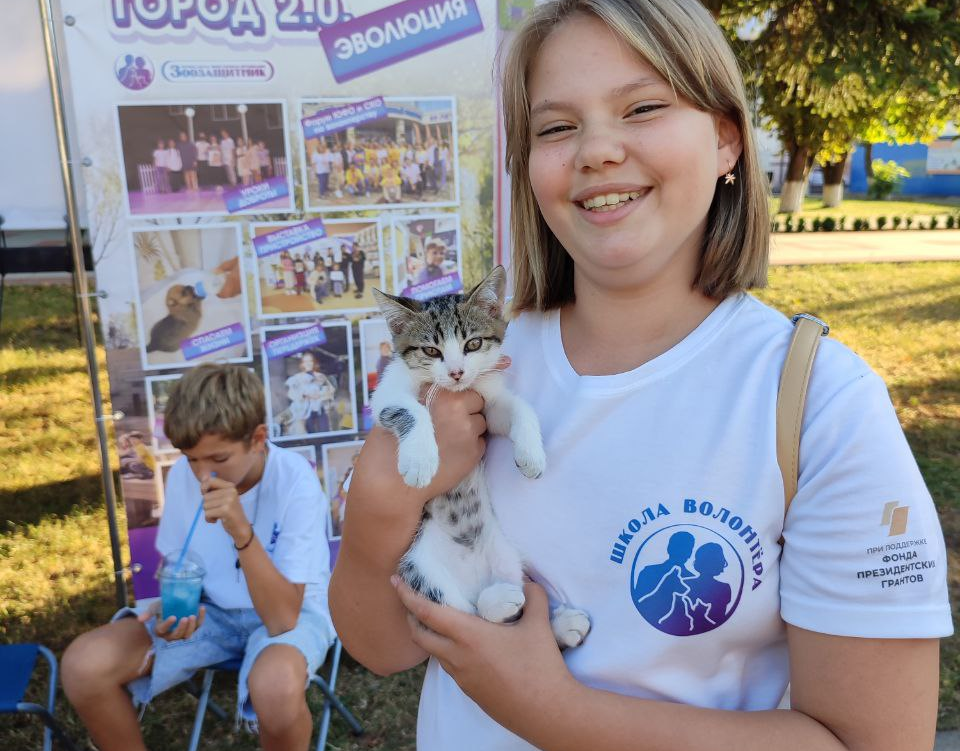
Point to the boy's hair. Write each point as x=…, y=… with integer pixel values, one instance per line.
x=223, y=400
x=680, y=40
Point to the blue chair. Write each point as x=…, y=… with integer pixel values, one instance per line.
x=327, y=686
x=17, y=662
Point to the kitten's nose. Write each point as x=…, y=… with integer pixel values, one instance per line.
x=456, y=374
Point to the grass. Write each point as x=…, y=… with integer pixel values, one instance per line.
x=859, y=208
x=55, y=575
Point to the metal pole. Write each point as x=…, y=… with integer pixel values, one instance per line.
x=87, y=336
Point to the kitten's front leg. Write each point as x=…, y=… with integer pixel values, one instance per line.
x=509, y=415
x=570, y=626
x=418, y=456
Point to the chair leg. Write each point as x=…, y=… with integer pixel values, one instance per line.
x=52, y=729
x=332, y=699
x=201, y=709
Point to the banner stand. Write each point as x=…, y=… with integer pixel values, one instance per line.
x=82, y=294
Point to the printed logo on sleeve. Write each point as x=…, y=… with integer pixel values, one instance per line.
x=895, y=518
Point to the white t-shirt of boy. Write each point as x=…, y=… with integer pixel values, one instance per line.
x=288, y=510
x=661, y=507
x=321, y=162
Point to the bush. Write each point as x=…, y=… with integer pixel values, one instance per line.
x=841, y=222
x=858, y=225
x=881, y=222
x=801, y=225
x=933, y=222
x=887, y=176
x=909, y=222
x=829, y=224
x=951, y=221
x=897, y=221
x=788, y=224
x=817, y=224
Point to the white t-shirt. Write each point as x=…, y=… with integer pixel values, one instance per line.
x=322, y=162
x=661, y=509
x=287, y=509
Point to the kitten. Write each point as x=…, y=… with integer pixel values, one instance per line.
x=184, y=309
x=460, y=557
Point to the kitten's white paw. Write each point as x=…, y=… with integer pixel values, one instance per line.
x=501, y=602
x=570, y=626
x=531, y=460
x=418, y=464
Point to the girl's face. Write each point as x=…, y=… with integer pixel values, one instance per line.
x=624, y=172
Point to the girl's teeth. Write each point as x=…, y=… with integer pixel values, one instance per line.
x=609, y=201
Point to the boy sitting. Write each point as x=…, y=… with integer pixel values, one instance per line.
x=265, y=552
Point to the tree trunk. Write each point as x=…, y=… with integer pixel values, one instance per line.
x=868, y=160
x=833, y=182
x=794, y=187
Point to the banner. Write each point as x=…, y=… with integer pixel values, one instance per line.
x=252, y=171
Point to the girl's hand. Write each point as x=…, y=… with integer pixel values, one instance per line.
x=170, y=629
x=510, y=670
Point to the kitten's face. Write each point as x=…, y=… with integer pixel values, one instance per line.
x=449, y=340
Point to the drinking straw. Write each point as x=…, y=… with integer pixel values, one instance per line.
x=193, y=527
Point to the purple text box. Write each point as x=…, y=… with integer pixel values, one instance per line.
x=211, y=341
x=288, y=237
x=400, y=31
x=296, y=341
x=341, y=117
x=245, y=196
x=444, y=285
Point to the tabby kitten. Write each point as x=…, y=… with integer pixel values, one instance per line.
x=460, y=557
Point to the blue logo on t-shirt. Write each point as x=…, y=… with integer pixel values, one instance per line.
x=686, y=580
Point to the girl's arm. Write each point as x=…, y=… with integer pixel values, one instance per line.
x=382, y=515
x=848, y=694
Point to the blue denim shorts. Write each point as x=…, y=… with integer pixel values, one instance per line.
x=227, y=635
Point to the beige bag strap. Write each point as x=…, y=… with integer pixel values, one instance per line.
x=792, y=396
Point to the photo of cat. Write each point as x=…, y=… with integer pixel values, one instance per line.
x=191, y=295
x=184, y=309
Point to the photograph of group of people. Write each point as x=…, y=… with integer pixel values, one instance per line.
x=310, y=391
x=202, y=159
x=331, y=274
x=427, y=253
x=406, y=158
x=191, y=295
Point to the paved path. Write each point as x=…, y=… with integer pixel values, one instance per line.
x=948, y=740
x=854, y=247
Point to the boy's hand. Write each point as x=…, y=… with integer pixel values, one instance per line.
x=222, y=502
x=170, y=629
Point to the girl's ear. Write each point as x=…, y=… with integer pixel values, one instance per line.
x=398, y=311
x=489, y=294
x=729, y=144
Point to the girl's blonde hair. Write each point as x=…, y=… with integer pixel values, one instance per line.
x=222, y=400
x=681, y=41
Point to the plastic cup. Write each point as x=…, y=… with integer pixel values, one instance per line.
x=180, y=588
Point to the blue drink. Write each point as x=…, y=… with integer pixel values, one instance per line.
x=180, y=596
x=181, y=582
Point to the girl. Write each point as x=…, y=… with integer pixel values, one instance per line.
x=638, y=221
x=160, y=164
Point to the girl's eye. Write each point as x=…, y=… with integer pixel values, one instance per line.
x=646, y=109
x=554, y=129
x=473, y=345
x=432, y=352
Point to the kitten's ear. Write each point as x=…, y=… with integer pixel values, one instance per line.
x=488, y=295
x=398, y=311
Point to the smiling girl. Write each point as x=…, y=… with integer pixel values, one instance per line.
x=639, y=223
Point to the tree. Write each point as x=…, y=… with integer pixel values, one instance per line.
x=830, y=72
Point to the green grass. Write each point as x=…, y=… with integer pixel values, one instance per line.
x=858, y=208
x=55, y=572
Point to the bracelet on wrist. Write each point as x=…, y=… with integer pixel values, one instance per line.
x=245, y=545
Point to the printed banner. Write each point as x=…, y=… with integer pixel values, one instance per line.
x=213, y=137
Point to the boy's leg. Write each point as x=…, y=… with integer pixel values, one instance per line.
x=94, y=670
x=277, y=686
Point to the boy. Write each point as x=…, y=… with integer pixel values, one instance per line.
x=263, y=546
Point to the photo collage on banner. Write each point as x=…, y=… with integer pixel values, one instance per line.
x=249, y=187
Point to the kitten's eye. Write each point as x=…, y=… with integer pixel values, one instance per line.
x=432, y=352
x=473, y=345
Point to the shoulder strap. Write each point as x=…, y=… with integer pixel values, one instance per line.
x=792, y=396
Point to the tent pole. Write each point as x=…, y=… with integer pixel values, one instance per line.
x=87, y=335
